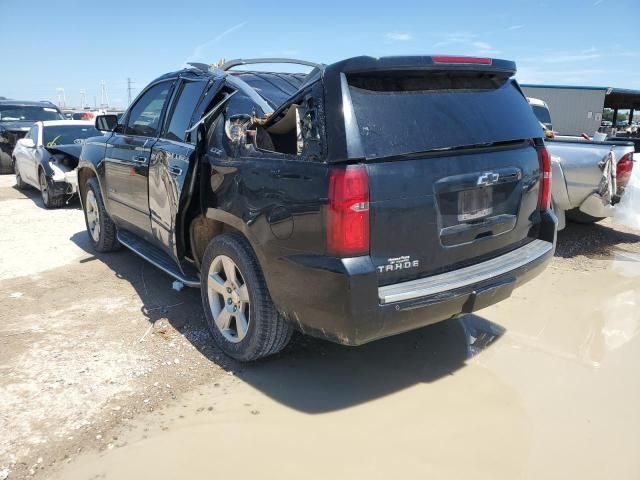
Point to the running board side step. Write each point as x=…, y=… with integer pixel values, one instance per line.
x=157, y=257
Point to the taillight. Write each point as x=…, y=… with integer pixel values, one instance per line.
x=544, y=197
x=348, y=212
x=459, y=59
x=623, y=169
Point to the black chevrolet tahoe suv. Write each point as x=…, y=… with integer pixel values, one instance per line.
x=366, y=198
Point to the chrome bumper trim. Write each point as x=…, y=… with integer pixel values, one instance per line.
x=464, y=276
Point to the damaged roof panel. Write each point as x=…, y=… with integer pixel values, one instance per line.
x=275, y=88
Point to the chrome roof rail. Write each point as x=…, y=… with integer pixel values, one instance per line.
x=251, y=61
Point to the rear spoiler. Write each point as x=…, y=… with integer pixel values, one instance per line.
x=364, y=64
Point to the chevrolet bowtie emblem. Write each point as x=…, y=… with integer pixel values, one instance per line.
x=488, y=178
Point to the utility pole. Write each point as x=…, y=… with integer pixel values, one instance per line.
x=129, y=88
x=83, y=99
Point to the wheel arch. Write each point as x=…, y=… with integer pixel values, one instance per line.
x=41, y=170
x=205, y=227
x=85, y=172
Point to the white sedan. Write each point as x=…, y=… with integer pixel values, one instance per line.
x=47, y=157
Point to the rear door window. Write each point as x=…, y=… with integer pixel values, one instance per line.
x=407, y=113
x=188, y=98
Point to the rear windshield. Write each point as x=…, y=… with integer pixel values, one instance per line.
x=53, y=136
x=408, y=113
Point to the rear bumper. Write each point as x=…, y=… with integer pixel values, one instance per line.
x=465, y=277
x=342, y=302
x=596, y=207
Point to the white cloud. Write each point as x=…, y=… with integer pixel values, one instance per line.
x=481, y=45
x=399, y=36
x=467, y=43
x=515, y=27
x=456, y=37
x=198, y=51
x=563, y=58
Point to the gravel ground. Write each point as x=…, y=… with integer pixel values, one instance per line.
x=89, y=342
x=86, y=341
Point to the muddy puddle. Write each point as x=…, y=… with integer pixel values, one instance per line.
x=544, y=385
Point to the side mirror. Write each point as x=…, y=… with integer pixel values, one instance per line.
x=27, y=142
x=106, y=123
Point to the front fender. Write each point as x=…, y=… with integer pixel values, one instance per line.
x=91, y=163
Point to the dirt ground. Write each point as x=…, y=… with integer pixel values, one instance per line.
x=106, y=372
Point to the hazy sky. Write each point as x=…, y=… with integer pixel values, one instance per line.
x=48, y=44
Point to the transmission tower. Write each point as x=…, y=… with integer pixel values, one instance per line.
x=62, y=98
x=129, y=89
x=104, y=98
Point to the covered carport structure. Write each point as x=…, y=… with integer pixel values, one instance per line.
x=577, y=109
x=622, y=99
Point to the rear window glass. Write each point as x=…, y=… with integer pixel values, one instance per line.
x=542, y=114
x=408, y=113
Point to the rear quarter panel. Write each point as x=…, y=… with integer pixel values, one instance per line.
x=278, y=204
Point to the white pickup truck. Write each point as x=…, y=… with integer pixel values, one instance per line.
x=588, y=177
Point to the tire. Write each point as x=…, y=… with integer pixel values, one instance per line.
x=6, y=166
x=20, y=184
x=577, y=216
x=100, y=228
x=49, y=200
x=265, y=331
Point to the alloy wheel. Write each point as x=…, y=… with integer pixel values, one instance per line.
x=93, y=216
x=228, y=298
x=44, y=189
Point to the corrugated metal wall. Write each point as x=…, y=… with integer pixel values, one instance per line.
x=573, y=110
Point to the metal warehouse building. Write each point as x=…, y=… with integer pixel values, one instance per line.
x=576, y=109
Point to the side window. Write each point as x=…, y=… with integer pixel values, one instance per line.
x=187, y=100
x=144, y=118
x=33, y=134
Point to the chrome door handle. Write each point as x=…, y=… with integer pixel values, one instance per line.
x=140, y=159
x=177, y=171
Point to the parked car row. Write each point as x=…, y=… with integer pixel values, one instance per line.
x=42, y=148
x=47, y=156
x=16, y=118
